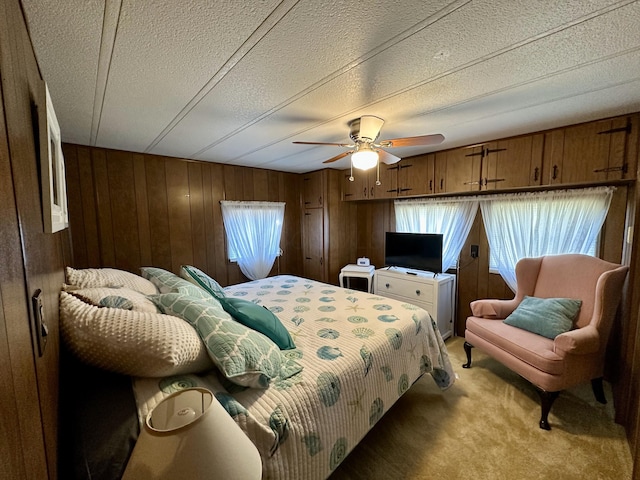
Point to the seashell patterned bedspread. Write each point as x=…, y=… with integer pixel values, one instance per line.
x=360, y=353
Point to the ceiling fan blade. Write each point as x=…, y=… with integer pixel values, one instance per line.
x=386, y=157
x=347, y=145
x=370, y=126
x=337, y=157
x=413, y=141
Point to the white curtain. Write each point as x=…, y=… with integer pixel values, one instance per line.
x=453, y=217
x=543, y=223
x=253, y=235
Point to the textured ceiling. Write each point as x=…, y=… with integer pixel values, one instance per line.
x=237, y=82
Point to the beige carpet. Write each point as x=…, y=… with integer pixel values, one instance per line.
x=486, y=427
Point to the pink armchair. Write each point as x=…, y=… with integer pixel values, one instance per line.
x=569, y=359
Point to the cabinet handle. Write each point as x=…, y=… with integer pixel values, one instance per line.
x=488, y=150
x=441, y=183
x=392, y=190
x=555, y=172
x=622, y=169
x=404, y=166
x=405, y=189
x=397, y=167
x=307, y=258
x=493, y=180
x=386, y=285
x=307, y=203
x=320, y=200
x=431, y=185
x=536, y=172
x=364, y=192
x=371, y=192
x=418, y=292
x=348, y=194
x=320, y=260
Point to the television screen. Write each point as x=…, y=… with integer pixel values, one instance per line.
x=419, y=251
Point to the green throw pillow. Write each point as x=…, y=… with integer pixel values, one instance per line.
x=169, y=282
x=548, y=317
x=243, y=355
x=204, y=281
x=258, y=318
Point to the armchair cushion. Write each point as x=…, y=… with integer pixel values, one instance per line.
x=548, y=317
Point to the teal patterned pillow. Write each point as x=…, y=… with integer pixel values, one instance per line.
x=258, y=318
x=169, y=282
x=243, y=355
x=204, y=281
x=548, y=317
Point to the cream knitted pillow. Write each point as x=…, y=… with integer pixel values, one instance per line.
x=130, y=342
x=108, y=277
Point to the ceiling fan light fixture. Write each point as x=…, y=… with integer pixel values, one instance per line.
x=364, y=157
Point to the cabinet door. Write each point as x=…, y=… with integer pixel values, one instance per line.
x=415, y=175
x=349, y=188
x=313, y=242
x=589, y=152
x=458, y=170
x=313, y=190
x=514, y=162
x=388, y=187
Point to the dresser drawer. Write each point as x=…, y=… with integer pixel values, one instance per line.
x=404, y=288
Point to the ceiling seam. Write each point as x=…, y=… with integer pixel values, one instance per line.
x=110, y=22
x=460, y=68
x=432, y=19
x=278, y=13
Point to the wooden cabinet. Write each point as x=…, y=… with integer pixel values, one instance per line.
x=513, y=162
x=313, y=190
x=370, y=184
x=458, y=170
x=313, y=244
x=592, y=152
x=436, y=294
x=326, y=221
x=416, y=175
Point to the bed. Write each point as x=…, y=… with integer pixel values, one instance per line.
x=355, y=354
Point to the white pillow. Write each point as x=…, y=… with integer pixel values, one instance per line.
x=108, y=277
x=115, y=298
x=130, y=342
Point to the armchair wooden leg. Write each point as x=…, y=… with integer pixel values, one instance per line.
x=546, y=400
x=598, y=390
x=467, y=349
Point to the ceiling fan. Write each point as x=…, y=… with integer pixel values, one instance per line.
x=365, y=152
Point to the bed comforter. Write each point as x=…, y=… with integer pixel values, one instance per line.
x=360, y=352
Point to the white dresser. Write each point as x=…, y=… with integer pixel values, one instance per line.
x=436, y=294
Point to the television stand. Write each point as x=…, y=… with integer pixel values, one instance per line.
x=436, y=294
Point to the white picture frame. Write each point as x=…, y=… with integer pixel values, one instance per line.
x=54, y=187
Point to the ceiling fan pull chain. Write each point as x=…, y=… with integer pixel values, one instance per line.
x=351, y=179
x=377, y=175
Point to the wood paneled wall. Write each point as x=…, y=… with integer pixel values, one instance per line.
x=31, y=260
x=129, y=210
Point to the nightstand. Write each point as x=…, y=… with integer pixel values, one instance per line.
x=357, y=271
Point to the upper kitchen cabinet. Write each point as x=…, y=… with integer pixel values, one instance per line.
x=458, y=170
x=313, y=189
x=416, y=175
x=512, y=162
x=591, y=152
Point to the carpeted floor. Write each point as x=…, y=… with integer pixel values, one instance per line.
x=486, y=427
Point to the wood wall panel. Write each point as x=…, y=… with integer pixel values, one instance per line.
x=31, y=260
x=142, y=209
x=165, y=212
x=158, y=212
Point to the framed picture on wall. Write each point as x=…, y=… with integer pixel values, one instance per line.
x=54, y=187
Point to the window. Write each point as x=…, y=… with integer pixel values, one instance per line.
x=542, y=223
x=253, y=231
x=453, y=217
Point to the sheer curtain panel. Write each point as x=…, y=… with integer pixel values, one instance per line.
x=453, y=217
x=253, y=232
x=523, y=225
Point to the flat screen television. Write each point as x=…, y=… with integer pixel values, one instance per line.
x=419, y=251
